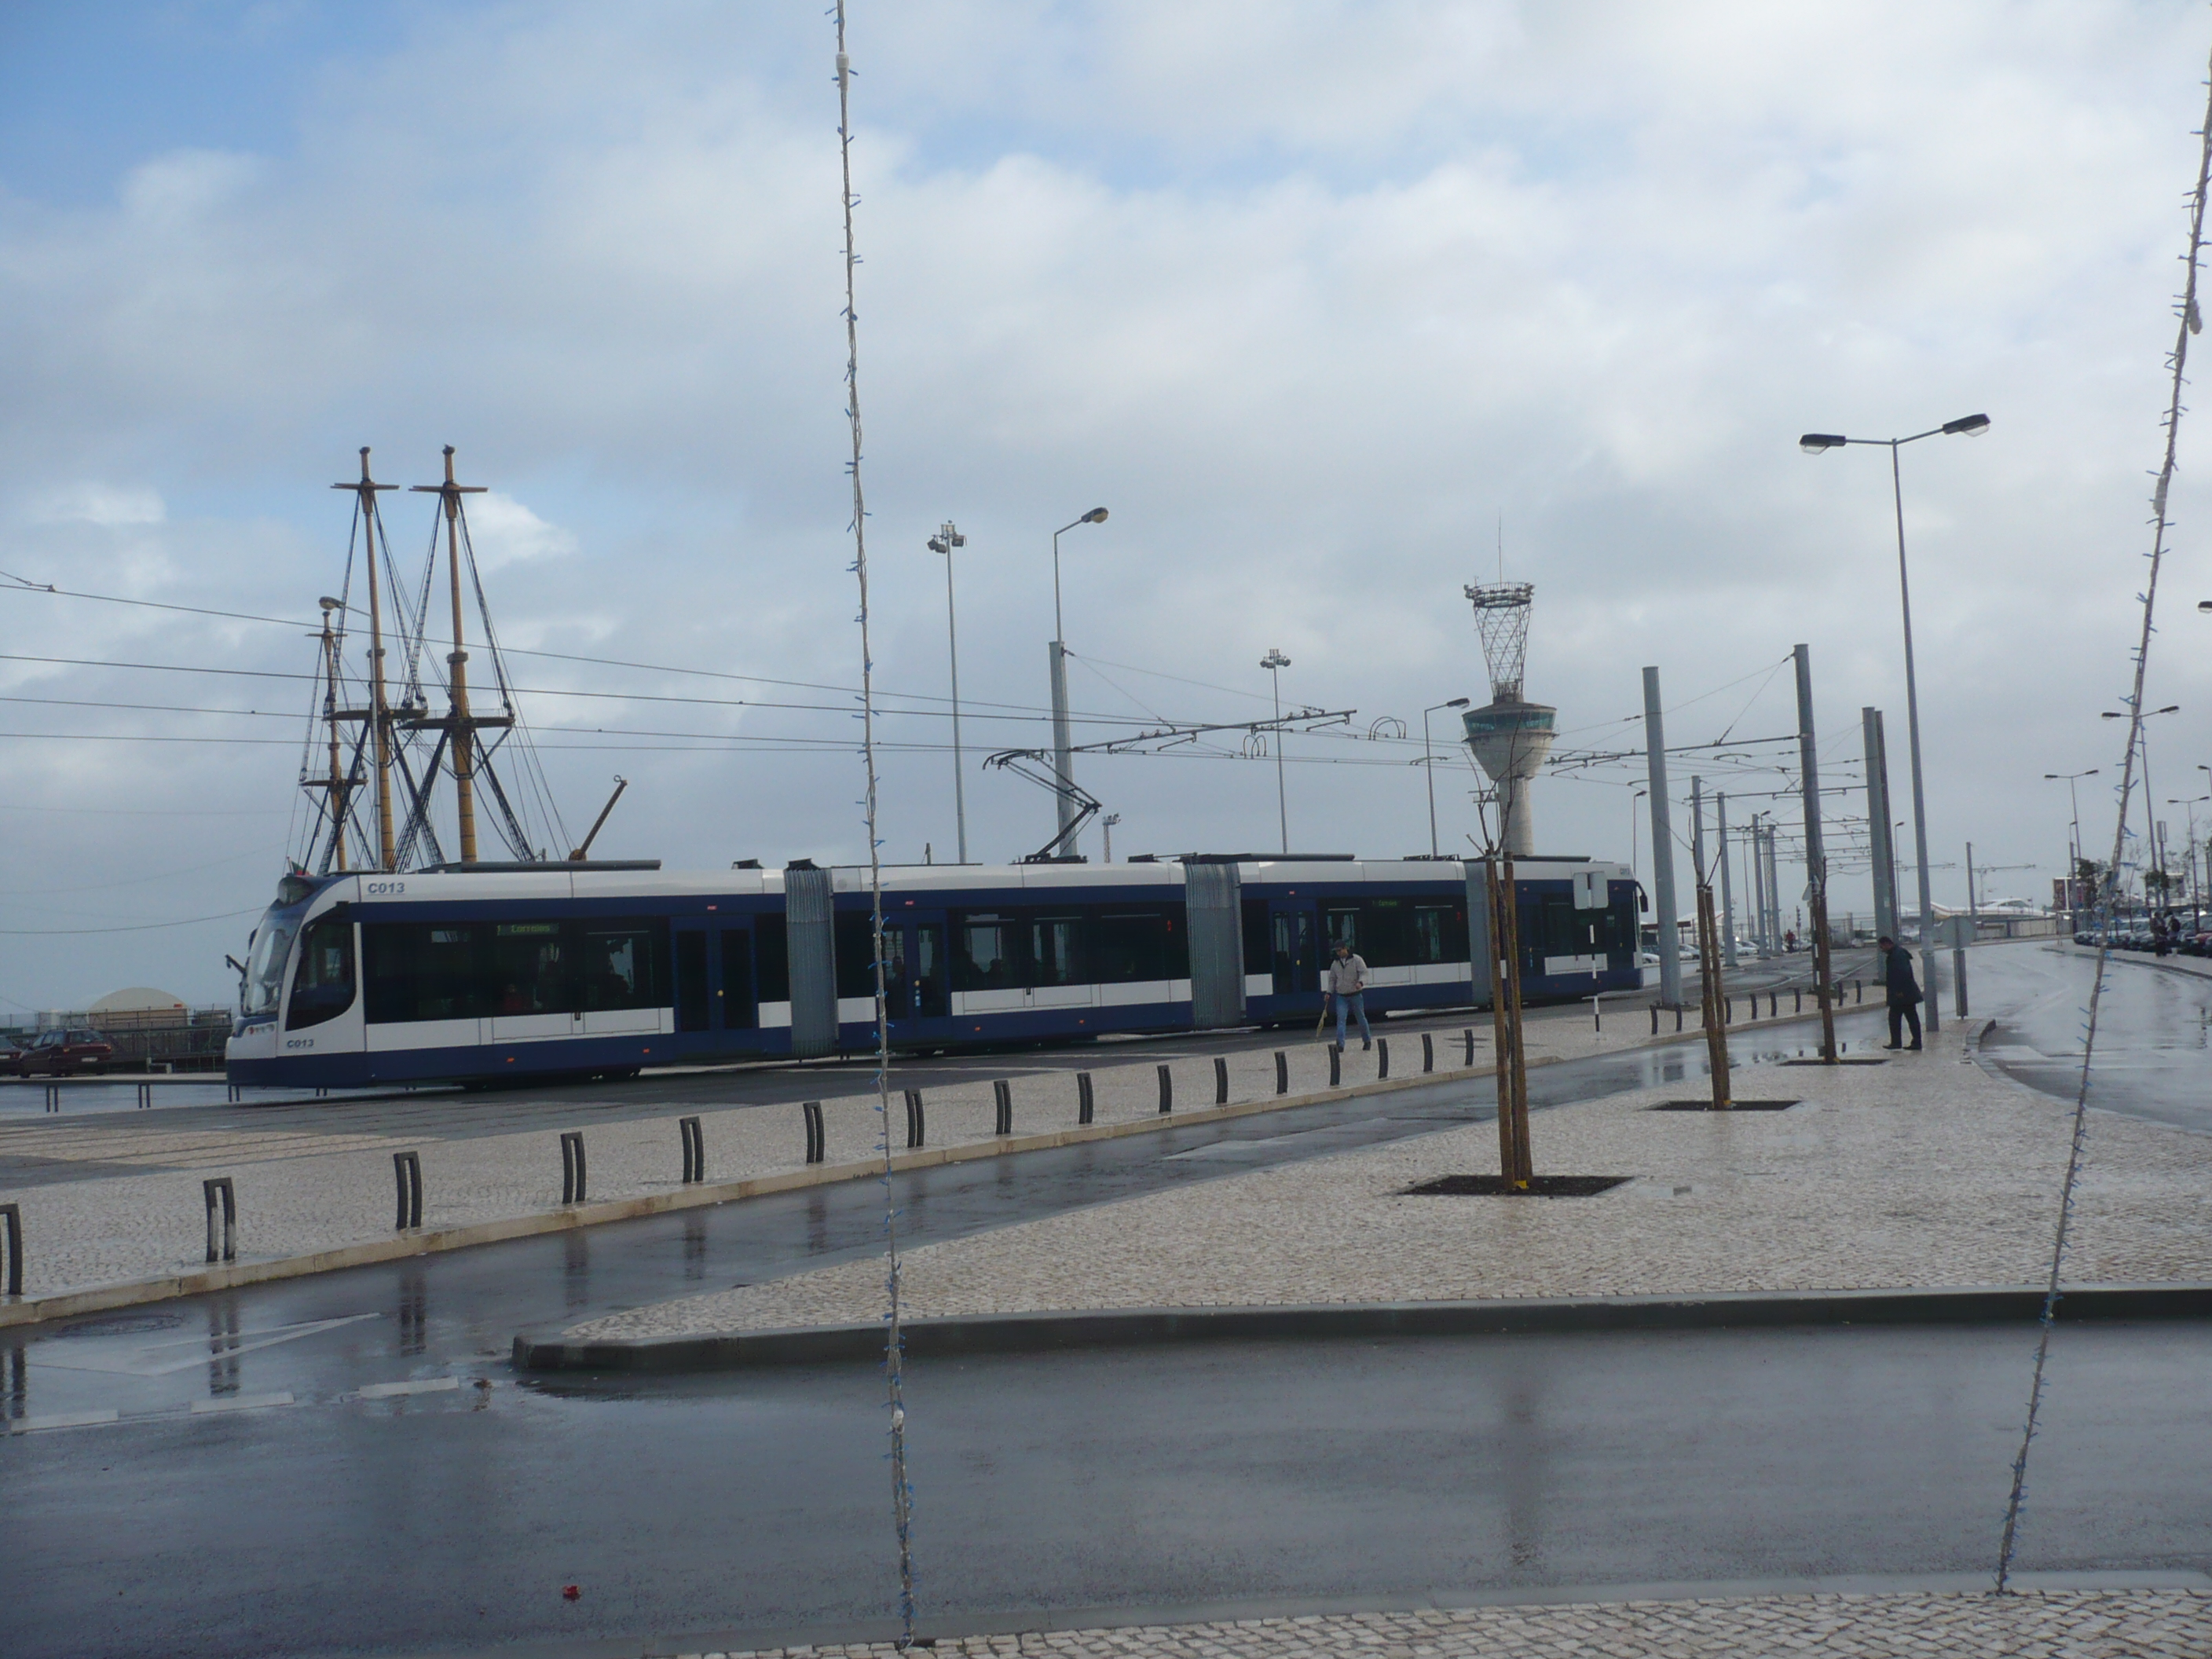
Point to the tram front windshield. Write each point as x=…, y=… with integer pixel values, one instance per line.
x=264, y=966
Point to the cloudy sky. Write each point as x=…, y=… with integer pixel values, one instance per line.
x=1314, y=297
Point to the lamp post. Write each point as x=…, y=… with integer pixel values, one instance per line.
x=1633, y=797
x=1428, y=766
x=945, y=541
x=2150, y=806
x=1106, y=825
x=2194, y=889
x=1275, y=662
x=1816, y=443
x=2073, y=842
x=1063, y=761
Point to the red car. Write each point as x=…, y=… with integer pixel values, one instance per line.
x=62, y=1054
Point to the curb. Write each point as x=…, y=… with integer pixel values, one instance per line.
x=66, y=1305
x=1050, y=1331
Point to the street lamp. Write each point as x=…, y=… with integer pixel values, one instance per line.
x=945, y=541
x=2150, y=808
x=1816, y=443
x=1275, y=662
x=2073, y=797
x=1063, y=761
x=1429, y=766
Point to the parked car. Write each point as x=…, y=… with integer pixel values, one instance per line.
x=63, y=1053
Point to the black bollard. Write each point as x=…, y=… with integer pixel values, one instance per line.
x=222, y=1219
x=1167, y=1091
x=1282, y=1073
x=572, y=1166
x=1335, y=1066
x=1084, y=1102
x=1220, y=1081
x=1002, y=1096
x=916, y=1128
x=1428, y=1053
x=407, y=1175
x=695, y=1150
x=1381, y=1058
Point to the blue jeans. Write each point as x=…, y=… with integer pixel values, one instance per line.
x=1354, y=1002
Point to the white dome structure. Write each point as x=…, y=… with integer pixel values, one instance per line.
x=137, y=1006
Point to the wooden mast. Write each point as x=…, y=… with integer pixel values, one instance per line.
x=379, y=715
x=461, y=728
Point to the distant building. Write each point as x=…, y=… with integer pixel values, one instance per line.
x=138, y=1008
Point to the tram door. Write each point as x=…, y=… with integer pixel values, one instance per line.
x=1291, y=929
x=694, y=998
x=917, y=986
x=734, y=997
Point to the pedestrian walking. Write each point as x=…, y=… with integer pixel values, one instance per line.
x=1904, y=991
x=1347, y=988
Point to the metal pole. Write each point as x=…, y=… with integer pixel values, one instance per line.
x=1275, y=662
x=1816, y=863
x=1728, y=889
x=947, y=539
x=1662, y=846
x=379, y=715
x=1697, y=833
x=1973, y=905
x=1912, y=723
x=1877, y=788
x=1428, y=770
x=1063, y=759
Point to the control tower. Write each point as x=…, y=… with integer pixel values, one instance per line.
x=1510, y=735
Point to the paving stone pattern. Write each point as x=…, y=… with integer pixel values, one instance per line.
x=1922, y=1171
x=2079, y=1625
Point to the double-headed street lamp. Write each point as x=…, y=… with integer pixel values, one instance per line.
x=1063, y=759
x=2073, y=797
x=1816, y=443
x=1429, y=765
x=945, y=541
x=1275, y=662
x=2150, y=803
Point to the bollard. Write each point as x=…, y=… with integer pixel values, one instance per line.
x=916, y=1125
x=1220, y=1081
x=11, y=1240
x=1335, y=1066
x=234, y=1092
x=1678, y=1020
x=695, y=1150
x=1654, y=1020
x=1860, y=985
x=322, y=1094
x=145, y=1095
x=1085, y=1103
x=810, y=1116
x=1002, y=1095
x=221, y=1234
x=1470, y=1046
x=53, y=1096
x=1167, y=1091
x=1428, y=1053
x=1796, y=1001
x=572, y=1166
x=1381, y=1058
x=1282, y=1073
x=1597, y=1015
x=1727, y=1010
x=407, y=1175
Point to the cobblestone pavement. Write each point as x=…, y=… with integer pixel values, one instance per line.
x=2077, y=1625
x=317, y=1179
x=1922, y=1171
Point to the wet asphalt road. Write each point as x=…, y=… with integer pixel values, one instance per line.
x=290, y=1514
x=2154, y=1030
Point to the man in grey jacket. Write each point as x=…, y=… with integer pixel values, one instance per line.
x=1347, y=986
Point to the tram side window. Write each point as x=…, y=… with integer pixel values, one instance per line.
x=1620, y=928
x=1439, y=934
x=772, y=958
x=1257, y=944
x=1056, y=953
x=856, y=953
x=1568, y=932
x=322, y=986
x=624, y=964
x=983, y=953
x=1341, y=923
x=1382, y=940
x=531, y=969
x=423, y=970
x=1129, y=946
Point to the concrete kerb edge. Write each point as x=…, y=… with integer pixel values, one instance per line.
x=67, y=1304
x=1050, y=1331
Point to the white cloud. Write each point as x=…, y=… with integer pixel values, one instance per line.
x=102, y=505
x=504, y=532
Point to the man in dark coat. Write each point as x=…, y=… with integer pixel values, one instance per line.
x=1904, y=991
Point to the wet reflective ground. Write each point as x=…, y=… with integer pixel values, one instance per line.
x=2154, y=1030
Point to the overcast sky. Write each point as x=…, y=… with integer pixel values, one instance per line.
x=1311, y=297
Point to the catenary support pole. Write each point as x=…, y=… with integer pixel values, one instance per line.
x=1662, y=846
x=1878, y=841
x=1816, y=863
x=1728, y=886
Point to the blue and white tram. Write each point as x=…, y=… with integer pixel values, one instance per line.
x=497, y=971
